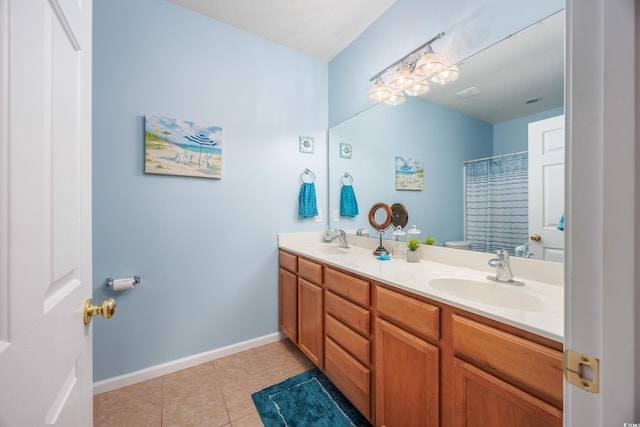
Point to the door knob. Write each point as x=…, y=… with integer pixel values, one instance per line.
x=535, y=237
x=107, y=308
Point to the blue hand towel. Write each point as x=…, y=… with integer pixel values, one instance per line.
x=560, y=225
x=348, y=202
x=307, y=200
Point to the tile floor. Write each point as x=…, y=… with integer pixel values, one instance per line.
x=213, y=394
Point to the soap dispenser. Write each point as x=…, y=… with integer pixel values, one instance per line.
x=398, y=243
x=414, y=233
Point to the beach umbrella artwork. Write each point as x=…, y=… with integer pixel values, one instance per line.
x=202, y=140
x=197, y=148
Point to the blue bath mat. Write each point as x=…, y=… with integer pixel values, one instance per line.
x=306, y=400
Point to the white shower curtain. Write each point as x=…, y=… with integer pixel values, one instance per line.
x=496, y=202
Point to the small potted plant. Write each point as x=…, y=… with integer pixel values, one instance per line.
x=430, y=240
x=413, y=255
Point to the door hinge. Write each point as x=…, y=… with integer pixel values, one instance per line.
x=581, y=370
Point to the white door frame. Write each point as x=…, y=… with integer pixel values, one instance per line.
x=602, y=318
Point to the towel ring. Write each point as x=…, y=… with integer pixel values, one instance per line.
x=346, y=176
x=310, y=173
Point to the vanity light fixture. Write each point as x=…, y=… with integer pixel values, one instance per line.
x=395, y=99
x=402, y=78
x=380, y=91
x=447, y=75
x=419, y=88
x=429, y=64
x=411, y=75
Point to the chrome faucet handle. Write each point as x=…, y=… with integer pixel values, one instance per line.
x=342, y=236
x=503, y=267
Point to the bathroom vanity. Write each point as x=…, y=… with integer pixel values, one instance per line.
x=407, y=353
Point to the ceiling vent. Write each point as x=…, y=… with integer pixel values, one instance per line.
x=468, y=93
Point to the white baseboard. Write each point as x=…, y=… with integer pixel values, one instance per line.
x=184, y=363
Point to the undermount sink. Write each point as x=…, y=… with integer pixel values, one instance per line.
x=331, y=250
x=492, y=293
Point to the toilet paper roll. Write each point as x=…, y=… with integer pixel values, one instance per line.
x=123, y=284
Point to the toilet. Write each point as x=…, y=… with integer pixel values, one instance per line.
x=458, y=244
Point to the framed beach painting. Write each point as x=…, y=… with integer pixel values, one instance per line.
x=178, y=147
x=409, y=174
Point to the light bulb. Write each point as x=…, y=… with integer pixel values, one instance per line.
x=429, y=64
x=401, y=79
x=396, y=99
x=446, y=76
x=419, y=88
x=380, y=91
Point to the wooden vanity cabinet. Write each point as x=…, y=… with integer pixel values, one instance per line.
x=481, y=399
x=301, y=304
x=288, y=312
x=348, y=337
x=406, y=360
x=407, y=364
x=288, y=300
x=500, y=378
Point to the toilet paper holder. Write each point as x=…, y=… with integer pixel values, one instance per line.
x=136, y=281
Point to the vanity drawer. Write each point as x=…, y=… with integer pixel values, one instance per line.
x=348, y=313
x=288, y=261
x=310, y=270
x=351, y=288
x=352, y=378
x=510, y=357
x=413, y=315
x=357, y=346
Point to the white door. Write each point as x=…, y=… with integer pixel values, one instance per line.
x=45, y=212
x=546, y=188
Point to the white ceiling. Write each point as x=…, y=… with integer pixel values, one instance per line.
x=319, y=28
x=529, y=64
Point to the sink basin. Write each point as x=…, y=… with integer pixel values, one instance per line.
x=492, y=293
x=331, y=250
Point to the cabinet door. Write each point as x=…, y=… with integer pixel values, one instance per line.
x=310, y=329
x=407, y=375
x=289, y=304
x=480, y=399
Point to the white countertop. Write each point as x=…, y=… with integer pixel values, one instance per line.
x=546, y=319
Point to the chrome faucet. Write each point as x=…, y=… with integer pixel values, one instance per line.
x=362, y=232
x=342, y=236
x=503, y=267
x=523, y=251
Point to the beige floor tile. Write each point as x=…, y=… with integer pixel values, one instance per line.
x=237, y=396
x=141, y=402
x=204, y=410
x=283, y=357
x=151, y=418
x=190, y=382
x=252, y=420
x=215, y=394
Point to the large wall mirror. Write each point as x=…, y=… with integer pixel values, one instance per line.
x=484, y=114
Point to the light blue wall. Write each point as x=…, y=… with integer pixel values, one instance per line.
x=441, y=137
x=470, y=26
x=206, y=249
x=513, y=136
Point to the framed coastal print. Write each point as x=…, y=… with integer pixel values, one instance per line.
x=179, y=147
x=345, y=150
x=306, y=144
x=409, y=174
